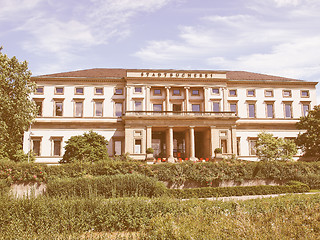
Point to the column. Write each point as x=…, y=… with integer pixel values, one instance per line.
x=206, y=99
x=224, y=99
x=186, y=108
x=234, y=139
x=128, y=98
x=149, y=137
x=214, y=140
x=129, y=141
x=167, y=98
x=192, y=145
x=170, y=157
x=147, y=99
x=229, y=142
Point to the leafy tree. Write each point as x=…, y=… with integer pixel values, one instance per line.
x=270, y=148
x=309, y=141
x=17, y=110
x=89, y=147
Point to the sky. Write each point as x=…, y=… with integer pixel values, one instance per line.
x=276, y=37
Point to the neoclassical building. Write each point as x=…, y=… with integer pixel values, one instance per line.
x=181, y=114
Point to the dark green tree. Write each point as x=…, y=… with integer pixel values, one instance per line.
x=89, y=147
x=17, y=110
x=309, y=141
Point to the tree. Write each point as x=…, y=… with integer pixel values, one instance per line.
x=309, y=141
x=89, y=147
x=17, y=110
x=270, y=148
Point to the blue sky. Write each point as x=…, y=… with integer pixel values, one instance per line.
x=277, y=37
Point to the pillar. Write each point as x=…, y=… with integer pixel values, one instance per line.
x=224, y=99
x=149, y=137
x=186, y=108
x=234, y=140
x=192, y=145
x=170, y=157
x=167, y=98
x=229, y=142
x=214, y=140
x=128, y=98
x=128, y=138
x=206, y=99
x=147, y=99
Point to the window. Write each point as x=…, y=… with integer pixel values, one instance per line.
x=195, y=92
x=39, y=108
x=138, y=89
x=268, y=93
x=305, y=109
x=36, y=143
x=59, y=90
x=216, y=106
x=56, y=147
x=119, y=91
x=233, y=107
x=117, y=147
x=232, y=93
x=79, y=91
x=251, y=93
x=215, y=91
x=177, y=107
x=286, y=93
x=157, y=91
x=58, y=109
x=157, y=107
x=195, y=107
x=137, y=146
x=98, y=108
x=304, y=93
x=118, y=109
x=98, y=90
x=176, y=92
x=270, y=111
x=287, y=110
x=252, y=147
x=252, y=110
x=223, y=144
x=78, y=109
x=138, y=106
x=39, y=90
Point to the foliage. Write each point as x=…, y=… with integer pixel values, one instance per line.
x=89, y=147
x=149, y=150
x=128, y=185
x=270, y=148
x=309, y=141
x=17, y=110
x=218, y=150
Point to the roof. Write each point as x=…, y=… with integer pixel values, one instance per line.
x=121, y=73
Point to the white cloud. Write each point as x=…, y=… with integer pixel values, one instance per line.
x=16, y=9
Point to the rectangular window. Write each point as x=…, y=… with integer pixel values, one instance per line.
x=39, y=108
x=98, y=90
x=305, y=93
x=305, y=109
x=56, y=147
x=138, y=106
x=251, y=93
x=138, y=89
x=268, y=93
x=117, y=147
x=195, y=92
x=157, y=107
x=176, y=92
x=98, y=108
x=59, y=90
x=78, y=111
x=287, y=110
x=119, y=91
x=195, y=107
x=286, y=93
x=232, y=93
x=36, y=146
x=118, y=109
x=157, y=91
x=137, y=146
x=58, y=110
x=252, y=147
x=215, y=91
x=79, y=91
x=270, y=112
x=252, y=110
x=39, y=90
x=216, y=106
x=233, y=107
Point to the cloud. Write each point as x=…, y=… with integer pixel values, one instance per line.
x=16, y=9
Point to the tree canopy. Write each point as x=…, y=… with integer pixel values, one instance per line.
x=89, y=147
x=309, y=141
x=17, y=110
x=270, y=148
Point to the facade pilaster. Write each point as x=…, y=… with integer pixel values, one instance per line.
x=147, y=101
x=234, y=140
x=224, y=99
x=186, y=108
x=167, y=98
x=149, y=137
x=128, y=98
x=206, y=99
x=229, y=142
x=128, y=138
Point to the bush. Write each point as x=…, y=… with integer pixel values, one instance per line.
x=128, y=185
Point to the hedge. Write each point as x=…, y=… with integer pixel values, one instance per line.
x=206, y=174
x=207, y=192
x=121, y=185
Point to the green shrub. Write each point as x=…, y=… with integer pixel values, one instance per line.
x=120, y=185
x=4, y=187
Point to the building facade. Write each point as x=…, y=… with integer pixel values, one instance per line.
x=181, y=114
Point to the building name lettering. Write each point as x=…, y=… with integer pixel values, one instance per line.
x=177, y=75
